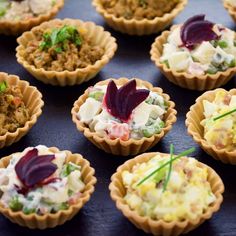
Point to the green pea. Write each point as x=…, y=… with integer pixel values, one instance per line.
x=15, y=204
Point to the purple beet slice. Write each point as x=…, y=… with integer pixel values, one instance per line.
x=196, y=30
x=121, y=102
x=32, y=168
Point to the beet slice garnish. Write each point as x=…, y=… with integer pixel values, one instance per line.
x=121, y=102
x=196, y=30
x=32, y=168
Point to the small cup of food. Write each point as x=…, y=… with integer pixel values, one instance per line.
x=166, y=194
x=230, y=6
x=124, y=117
x=197, y=55
x=17, y=17
x=20, y=107
x=211, y=122
x=65, y=52
x=44, y=187
x=139, y=17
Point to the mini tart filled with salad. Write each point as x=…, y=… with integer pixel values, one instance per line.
x=230, y=6
x=20, y=107
x=19, y=16
x=211, y=122
x=124, y=117
x=43, y=187
x=65, y=52
x=197, y=55
x=164, y=194
x=139, y=17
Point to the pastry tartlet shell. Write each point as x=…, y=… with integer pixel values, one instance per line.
x=94, y=32
x=139, y=27
x=118, y=146
x=196, y=130
x=33, y=101
x=10, y=27
x=50, y=220
x=231, y=9
x=184, y=79
x=160, y=227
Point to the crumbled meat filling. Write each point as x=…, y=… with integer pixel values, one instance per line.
x=66, y=55
x=13, y=112
x=139, y=9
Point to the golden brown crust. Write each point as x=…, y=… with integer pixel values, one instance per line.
x=33, y=101
x=139, y=27
x=96, y=34
x=51, y=220
x=196, y=130
x=132, y=146
x=231, y=9
x=184, y=79
x=9, y=27
x=160, y=227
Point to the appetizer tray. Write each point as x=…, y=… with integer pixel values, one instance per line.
x=100, y=217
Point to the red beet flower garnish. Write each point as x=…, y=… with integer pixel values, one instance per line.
x=196, y=30
x=121, y=102
x=32, y=168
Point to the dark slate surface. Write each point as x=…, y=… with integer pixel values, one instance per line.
x=100, y=217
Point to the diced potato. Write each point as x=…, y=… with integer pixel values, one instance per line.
x=209, y=108
x=174, y=37
x=179, y=61
x=88, y=110
x=204, y=53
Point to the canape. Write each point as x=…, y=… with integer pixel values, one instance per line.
x=19, y=16
x=164, y=194
x=198, y=55
x=20, y=107
x=43, y=187
x=139, y=17
x=65, y=52
x=211, y=123
x=124, y=117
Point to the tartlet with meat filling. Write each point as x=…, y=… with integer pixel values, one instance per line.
x=65, y=52
x=19, y=16
x=139, y=17
x=20, y=107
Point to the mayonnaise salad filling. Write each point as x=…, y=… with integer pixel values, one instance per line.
x=220, y=132
x=57, y=192
x=213, y=50
x=187, y=195
x=25, y=9
x=145, y=120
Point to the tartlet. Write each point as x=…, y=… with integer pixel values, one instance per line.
x=33, y=101
x=49, y=220
x=139, y=27
x=92, y=32
x=159, y=226
x=125, y=146
x=230, y=8
x=193, y=122
x=10, y=27
x=202, y=72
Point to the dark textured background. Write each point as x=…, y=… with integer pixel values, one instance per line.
x=99, y=217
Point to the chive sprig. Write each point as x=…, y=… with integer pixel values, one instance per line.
x=184, y=153
x=223, y=115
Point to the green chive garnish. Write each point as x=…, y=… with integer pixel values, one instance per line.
x=225, y=114
x=184, y=153
x=170, y=168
